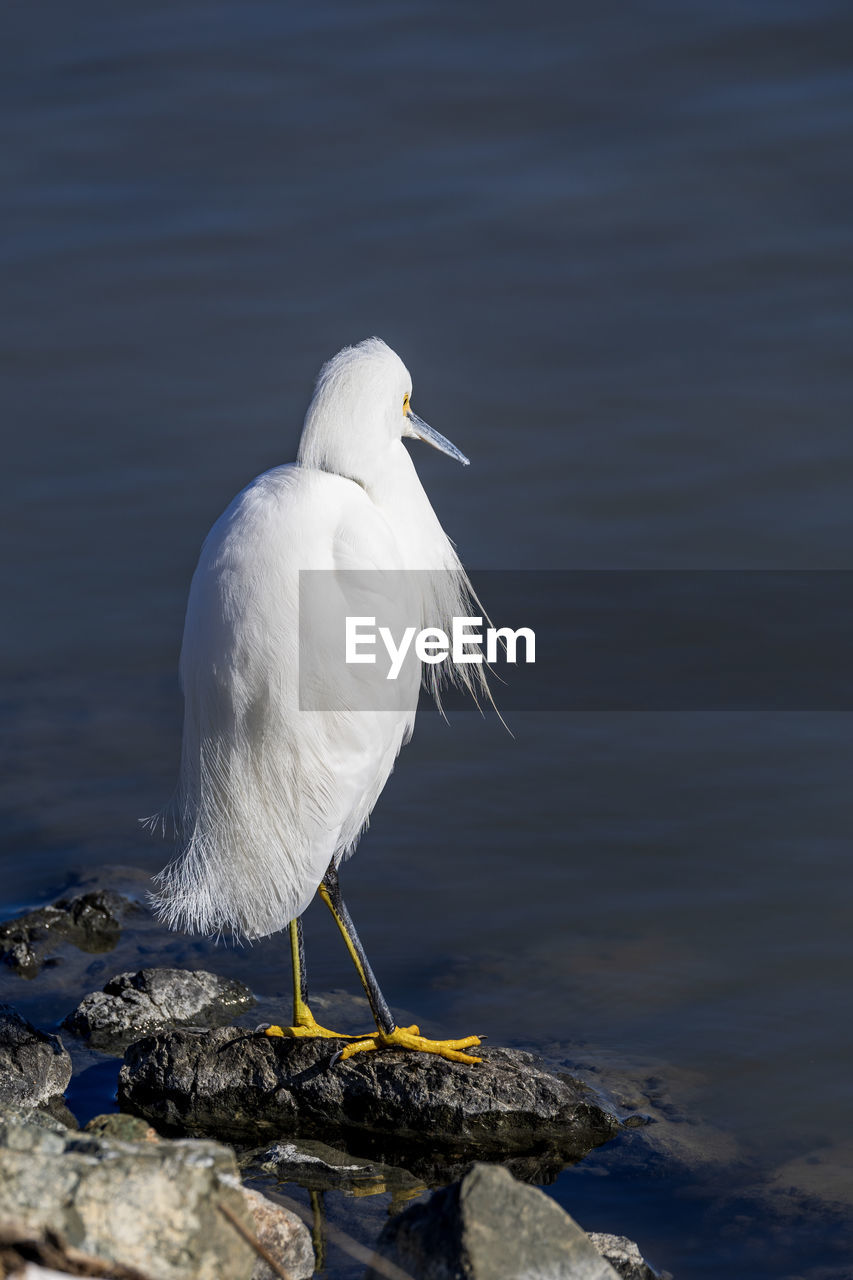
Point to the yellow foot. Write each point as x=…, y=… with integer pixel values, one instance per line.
x=313, y=1031
x=409, y=1038
x=307, y=1026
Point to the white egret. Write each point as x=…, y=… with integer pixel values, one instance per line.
x=273, y=797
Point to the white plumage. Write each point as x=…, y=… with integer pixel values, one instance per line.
x=271, y=794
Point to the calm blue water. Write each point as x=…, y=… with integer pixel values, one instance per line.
x=613, y=245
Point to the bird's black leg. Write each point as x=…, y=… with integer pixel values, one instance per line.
x=388, y=1035
x=330, y=892
x=300, y=978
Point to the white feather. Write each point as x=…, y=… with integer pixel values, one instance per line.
x=271, y=793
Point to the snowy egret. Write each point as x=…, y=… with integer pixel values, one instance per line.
x=273, y=797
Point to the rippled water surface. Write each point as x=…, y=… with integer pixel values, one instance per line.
x=613, y=245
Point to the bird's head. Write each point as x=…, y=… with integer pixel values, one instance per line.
x=360, y=411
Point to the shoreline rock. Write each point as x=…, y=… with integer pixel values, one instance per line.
x=244, y=1087
x=624, y=1257
x=148, y=1205
x=283, y=1235
x=163, y=1209
x=132, y=1005
x=35, y=1067
x=489, y=1227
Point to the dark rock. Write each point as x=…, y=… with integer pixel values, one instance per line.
x=399, y=1107
x=319, y=1167
x=34, y=1066
x=153, y=1206
x=89, y=921
x=132, y=1005
x=624, y=1257
x=489, y=1227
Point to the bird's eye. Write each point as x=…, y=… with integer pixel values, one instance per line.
x=406, y=403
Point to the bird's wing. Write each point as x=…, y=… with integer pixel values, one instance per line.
x=364, y=717
x=271, y=792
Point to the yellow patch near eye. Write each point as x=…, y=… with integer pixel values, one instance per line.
x=406, y=403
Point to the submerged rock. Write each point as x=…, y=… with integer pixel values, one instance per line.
x=408, y=1108
x=132, y=1005
x=319, y=1167
x=34, y=1066
x=153, y=1206
x=489, y=1227
x=89, y=921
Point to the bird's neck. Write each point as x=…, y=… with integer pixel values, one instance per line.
x=400, y=496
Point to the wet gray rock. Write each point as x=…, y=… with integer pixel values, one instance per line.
x=319, y=1167
x=132, y=1005
x=34, y=1066
x=394, y=1106
x=90, y=921
x=283, y=1235
x=489, y=1227
x=624, y=1257
x=153, y=1206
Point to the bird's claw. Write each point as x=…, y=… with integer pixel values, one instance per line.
x=411, y=1039
x=307, y=1031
